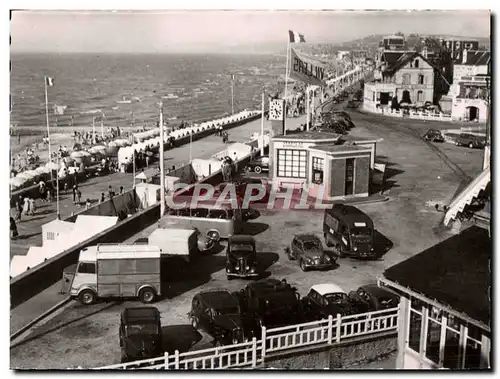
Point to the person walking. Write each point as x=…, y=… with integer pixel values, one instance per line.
x=111, y=193
x=32, y=206
x=121, y=190
x=74, y=193
x=87, y=204
x=13, y=229
x=235, y=160
x=26, y=206
x=102, y=198
x=78, y=196
x=19, y=209
x=49, y=196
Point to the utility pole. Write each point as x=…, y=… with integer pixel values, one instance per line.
x=162, y=164
x=262, y=127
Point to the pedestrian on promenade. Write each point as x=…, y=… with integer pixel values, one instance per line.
x=235, y=159
x=111, y=193
x=26, y=206
x=74, y=193
x=78, y=196
x=19, y=209
x=49, y=196
x=121, y=190
x=102, y=198
x=147, y=161
x=87, y=204
x=13, y=229
x=32, y=206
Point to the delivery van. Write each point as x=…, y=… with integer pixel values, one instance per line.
x=115, y=271
x=349, y=230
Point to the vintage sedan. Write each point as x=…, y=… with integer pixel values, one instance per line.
x=241, y=257
x=259, y=164
x=324, y=300
x=470, y=140
x=434, y=135
x=308, y=250
x=217, y=312
x=371, y=297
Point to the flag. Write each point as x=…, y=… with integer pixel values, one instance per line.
x=49, y=81
x=296, y=37
x=306, y=69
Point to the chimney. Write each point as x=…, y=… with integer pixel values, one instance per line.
x=424, y=52
x=464, y=57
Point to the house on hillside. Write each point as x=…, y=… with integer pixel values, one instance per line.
x=408, y=79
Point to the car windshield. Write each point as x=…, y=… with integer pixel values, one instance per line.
x=227, y=311
x=310, y=245
x=139, y=329
x=360, y=231
x=241, y=248
x=335, y=298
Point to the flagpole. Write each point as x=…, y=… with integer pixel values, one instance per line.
x=48, y=125
x=162, y=164
x=133, y=167
x=57, y=189
x=190, y=146
x=262, y=127
x=232, y=95
x=308, y=109
x=102, y=127
x=286, y=68
x=93, y=130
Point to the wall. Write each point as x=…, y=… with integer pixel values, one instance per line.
x=460, y=70
x=335, y=357
x=459, y=108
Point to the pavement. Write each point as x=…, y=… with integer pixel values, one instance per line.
x=30, y=228
x=417, y=179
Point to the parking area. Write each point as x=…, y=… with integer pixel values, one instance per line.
x=417, y=179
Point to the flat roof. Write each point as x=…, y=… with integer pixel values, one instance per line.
x=340, y=148
x=455, y=273
x=349, y=138
x=308, y=136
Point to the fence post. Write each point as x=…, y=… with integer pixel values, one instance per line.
x=254, y=352
x=264, y=337
x=338, y=327
x=330, y=329
x=166, y=360
x=177, y=359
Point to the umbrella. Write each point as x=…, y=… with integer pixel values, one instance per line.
x=141, y=176
x=77, y=154
x=52, y=165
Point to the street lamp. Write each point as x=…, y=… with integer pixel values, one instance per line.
x=487, y=148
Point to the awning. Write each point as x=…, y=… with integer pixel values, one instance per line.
x=466, y=196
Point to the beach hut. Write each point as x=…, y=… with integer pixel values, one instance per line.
x=53, y=230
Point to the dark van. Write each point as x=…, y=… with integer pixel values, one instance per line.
x=349, y=230
x=241, y=257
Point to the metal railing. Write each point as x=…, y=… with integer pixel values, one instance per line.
x=275, y=341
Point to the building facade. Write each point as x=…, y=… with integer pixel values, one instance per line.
x=409, y=80
x=340, y=166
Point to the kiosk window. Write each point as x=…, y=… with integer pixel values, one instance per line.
x=292, y=163
x=318, y=168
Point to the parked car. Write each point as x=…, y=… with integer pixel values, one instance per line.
x=308, y=250
x=217, y=312
x=270, y=302
x=259, y=164
x=434, y=135
x=241, y=257
x=324, y=300
x=371, y=297
x=470, y=140
x=140, y=334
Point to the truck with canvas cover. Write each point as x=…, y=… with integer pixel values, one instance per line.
x=176, y=242
x=115, y=271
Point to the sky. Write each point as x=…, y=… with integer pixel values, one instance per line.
x=208, y=31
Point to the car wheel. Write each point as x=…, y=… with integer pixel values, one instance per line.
x=471, y=146
x=257, y=169
x=457, y=144
x=195, y=322
x=147, y=295
x=303, y=266
x=87, y=297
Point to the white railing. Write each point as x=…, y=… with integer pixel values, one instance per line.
x=273, y=341
x=411, y=114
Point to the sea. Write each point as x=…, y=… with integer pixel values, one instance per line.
x=126, y=89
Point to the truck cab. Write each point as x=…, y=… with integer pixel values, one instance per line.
x=114, y=271
x=140, y=334
x=350, y=231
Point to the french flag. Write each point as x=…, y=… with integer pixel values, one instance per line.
x=49, y=81
x=296, y=37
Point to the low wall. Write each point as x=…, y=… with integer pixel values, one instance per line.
x=335, y=357
x=411, y=115
x=36, y=280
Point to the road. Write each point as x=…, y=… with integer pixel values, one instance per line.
x=408, y=223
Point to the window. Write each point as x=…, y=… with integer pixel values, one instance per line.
x=416, y=63
x=86, y=268
x=420, y=96
x=292, y=163
x=420, y=79
x=406, y=78
x=50, y=236
x=318, y=169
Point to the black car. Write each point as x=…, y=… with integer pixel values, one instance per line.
x=371, y=297
x=140, y=334
x=324, y=300
x=218, y=313
x=470, y=140
x=434, y=135
x=258, y=164
x=241, y=257
x=271, y=303
x=308, y=250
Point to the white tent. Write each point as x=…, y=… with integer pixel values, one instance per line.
x=18, y=265
x=53, y=229
x=37, y=255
